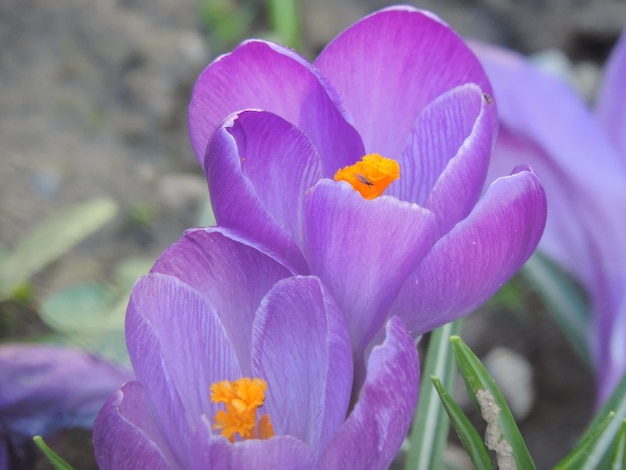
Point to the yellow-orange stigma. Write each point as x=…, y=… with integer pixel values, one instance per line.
x=371, y=175
x=241, y=398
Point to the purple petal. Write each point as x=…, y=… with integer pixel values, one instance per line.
x=211, y=450
x=609, y=341
x=47, y=388
x=562, y=235
x=270, y=454
x=546, y=124
x=231, y=273
x=262, y=75
x=389, y=66
x=478, y=256
x=277, y=452
x=178, y=348
x=258, y=167
x=445, y=161
x=611, y=106
x=549, y=126
x=363, y=251
x=301, y=347
x=372, y=434
x=125, y=436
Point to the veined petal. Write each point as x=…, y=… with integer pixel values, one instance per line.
x=211, y=450
x=445, y=161
x=45, y=388
x=302, y=349
x=258, y=167
x=178, y=348
x=267, y=76
x=345, y=235
x=546, y=125
x=562, y=235
x=478, y=256
x=277, y=452
x=374, y=431
x=274, y=453
x=608, y=342
x=611, y=109
x=125, y=436
x=388, y=66
x=230, y=272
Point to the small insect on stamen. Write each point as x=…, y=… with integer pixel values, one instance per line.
x=363, y=180
x=488, y=98
x=371, y=175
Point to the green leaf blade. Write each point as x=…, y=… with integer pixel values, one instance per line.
x=52, y=239
x=598, y=446
x=618, y=459
x=429, y=431
x=502, y=433
x=57, y=462
x=285, y=22
x=589, y=452
x=468, y=435
x=616, y=403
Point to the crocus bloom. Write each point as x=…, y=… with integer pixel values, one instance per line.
x=581, y=160
x=44, y=389
x=274, y=132
x=241, y=364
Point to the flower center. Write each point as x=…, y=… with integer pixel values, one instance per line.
x=371, y=175
x=241, y=398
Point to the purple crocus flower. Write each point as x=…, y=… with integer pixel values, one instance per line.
x=216, y=316
x=581, y=159
x=271, y=129
x=44, y=389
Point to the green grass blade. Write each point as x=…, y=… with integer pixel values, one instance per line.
x=618, y=459
x=616, y=403
x=430, y=426
x=589, y=452
x=599, y=455
x=502, y=434
x=285, y=22
x=471, y=440
x=57, y=462
x=51, y=240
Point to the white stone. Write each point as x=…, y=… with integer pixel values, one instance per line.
x=514, y=376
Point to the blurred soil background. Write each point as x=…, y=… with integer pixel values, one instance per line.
x=93, y=97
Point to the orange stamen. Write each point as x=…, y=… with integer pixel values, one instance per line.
x=241, y=398
x=371, y=175
x=266, y=430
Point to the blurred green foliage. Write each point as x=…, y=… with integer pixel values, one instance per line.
x=55, y=460
x=86, y=315
x=91, y=315
x=49, y=241
x=228, y=22
x=601, y=446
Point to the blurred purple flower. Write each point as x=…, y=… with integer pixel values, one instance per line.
x=214, y=308
x=581, y=160
x=44, y=389
x=271, y=130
